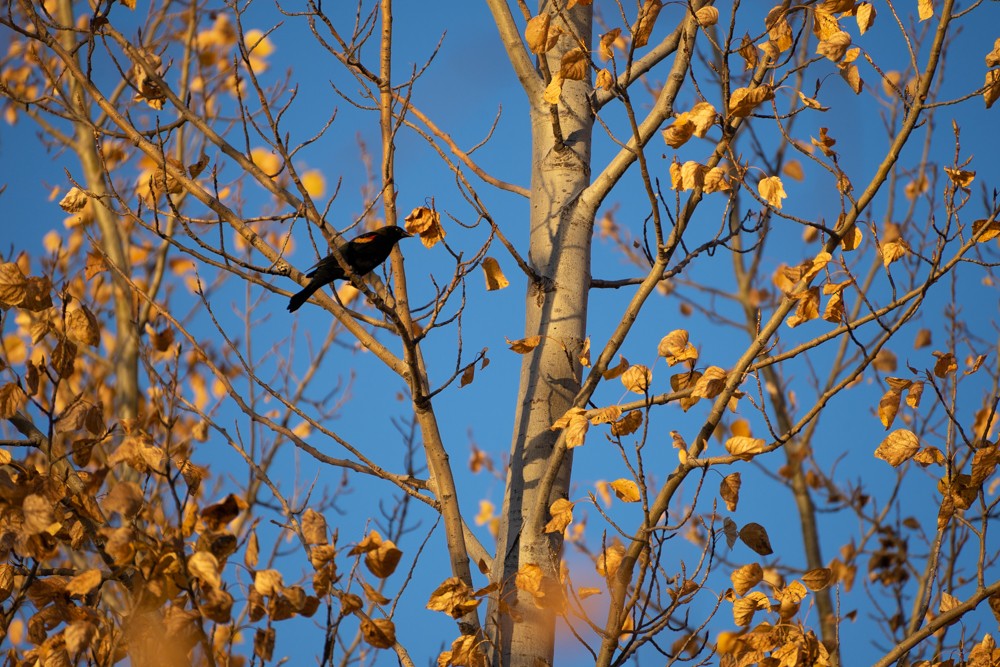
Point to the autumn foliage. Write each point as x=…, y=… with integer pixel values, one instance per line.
x=746, y=287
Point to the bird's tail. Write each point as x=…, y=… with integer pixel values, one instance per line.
x=300, y=298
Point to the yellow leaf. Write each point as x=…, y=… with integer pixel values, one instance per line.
x=587, y=591
x=744, y=608
x=562, y=516
x=524, y=345
x=960, y=177
x=711, y=383
x=835, y=47
x=378, y=632
x=985, y=230
x=793, y=170
x=608, y=40
x=743, y=101
x=898, y=447
x=892, y=251
x=610, y=559
x=675, y=348
x=495, y=279
x=536, y=34
x=992, y=87
x=575, y=423
x=604, y=80
x=806, y=308
x=707, y=16
x=744, y=448
x=637, y=378
x=851, y=239
x=729, y=489
x=12, y=399
x=715, y=181
x=605, y=415
x=626, y=490
x=925, y=9
x=746, y=577
x=818, y=579
x=778, y=29
x=945, y=365
x=644, y=23
x=454, y=597
x=84, y=583
x=426, y=223
x=574, y=65
x=865, y=16
x=772, y=191
x=204, y=566
x=628, y=424
x=553, y=91
x=314, y=183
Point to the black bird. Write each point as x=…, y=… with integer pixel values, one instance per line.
x=362, y=253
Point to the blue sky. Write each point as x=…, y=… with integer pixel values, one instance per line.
x=467, y=86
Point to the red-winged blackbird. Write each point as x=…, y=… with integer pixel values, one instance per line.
x=362, y=254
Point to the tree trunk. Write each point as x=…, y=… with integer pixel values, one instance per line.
x=556, y=309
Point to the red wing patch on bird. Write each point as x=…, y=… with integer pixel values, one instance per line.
x=366, y=238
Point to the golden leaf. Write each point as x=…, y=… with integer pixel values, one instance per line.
x=678, y=133
x=587, y=591
x=993, y=57
x=13, y=284
x=746, y=577
x=992, y=87
x=84, y=583
x=793, y=170
x=755, y=536
x=744, y=608
x=378, y=632
x=806, y=307
x=825, y=24
x=948, y=602
x=893, y=251
x=898, y=447
x=772, y=191
x=608, y=39
x=562, y=516
x=835, y=47
x=743, y=101
x=888, y=406
x=628, y=424
x=524, y=345
x=715, y=181
x=818, y=579
x=852, y=76
x=74, y=201
x=616, y=370
x=204, y=566
x=610, y=560
x=729, y=489
x=314, y=527
x=922, y=339
x=574, y=65
x=495, y=279
x=778, y=29
x=744, y=448
x=675, y=348
x=707, y=16
x=12, y=399
x=454, y=597
x=945, y=365
x=864, y=13
x=626, y=490
x=711, y=383
x=576, y=425
x=536, y=34
x=985, y=230
x=604, y=80
x=605, y=415
x=925, y=9
x=553, y=91
x=426, y=223
x=748, y=52
x=314, y=183
x=960, y=177
x=637, y=379
x=644, y=23
x=885, y=361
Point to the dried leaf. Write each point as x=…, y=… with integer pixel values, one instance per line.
x=562, y=516
x=644, y=23
x=454, y=597
x=378, y=632
x=745, y=448
x=637, y=379
x=898, y=447
x=524, y=345
x=755, y=536
x=675, y=348
x=628, y=424
x=626, y=490
x=495, y=279
x=426, y=223
x=729, y=489
x=204, y=566
x=746, y=577
x=576, y=425
x=772, y=191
